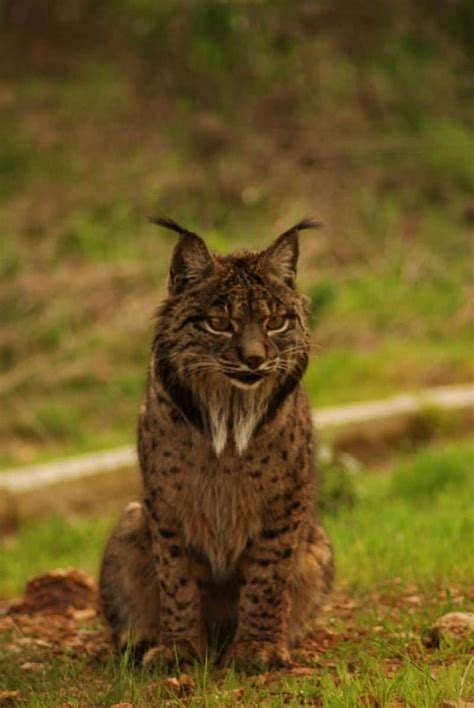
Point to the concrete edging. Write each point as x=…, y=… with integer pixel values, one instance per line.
x=337, y=424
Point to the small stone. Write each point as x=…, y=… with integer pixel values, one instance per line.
x=454, y=626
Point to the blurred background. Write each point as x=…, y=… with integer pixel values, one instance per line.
x=236, y=119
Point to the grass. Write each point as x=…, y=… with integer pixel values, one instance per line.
x=348, y=122
x=78, y=387
x=415, y=523
x=403, y=549
x=361, y=117
x=411, y=686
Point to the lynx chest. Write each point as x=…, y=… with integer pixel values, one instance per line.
x=219, y=512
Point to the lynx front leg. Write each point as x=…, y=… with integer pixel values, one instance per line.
x=182, y=631
x=264, y=604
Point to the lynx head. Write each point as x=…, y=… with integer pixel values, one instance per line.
x=232, y=340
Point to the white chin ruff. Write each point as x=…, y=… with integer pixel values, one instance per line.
x=235, y=413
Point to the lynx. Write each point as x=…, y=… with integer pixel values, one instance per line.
x=225, y=542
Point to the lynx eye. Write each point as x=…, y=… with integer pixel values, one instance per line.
x=277, y=323
x=219, y=325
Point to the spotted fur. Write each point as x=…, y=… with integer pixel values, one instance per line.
x=226, y=535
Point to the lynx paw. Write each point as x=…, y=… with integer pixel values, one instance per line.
x=169, y=656
x=251, y=655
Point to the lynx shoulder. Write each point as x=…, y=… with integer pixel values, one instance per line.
x=225, y=541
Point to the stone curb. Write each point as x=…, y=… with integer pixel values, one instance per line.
x=360, y=428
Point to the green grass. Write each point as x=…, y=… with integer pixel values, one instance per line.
x=416, y=523
x=56, y=543
x=349, y=123
x=414, y=685
x=403, y=551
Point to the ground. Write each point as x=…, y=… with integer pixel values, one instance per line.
x=368, y=651
x=404, y=542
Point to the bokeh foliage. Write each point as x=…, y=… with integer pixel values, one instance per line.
x=236, y=118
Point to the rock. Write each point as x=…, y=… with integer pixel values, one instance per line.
x=454, y=626
x=57, y=591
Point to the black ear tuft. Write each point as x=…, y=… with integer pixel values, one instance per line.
x=280, y=259
x=168, y=224
x=307, y=223
x=191, y=261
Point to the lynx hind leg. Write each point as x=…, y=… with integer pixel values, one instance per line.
x=311, y=581
x=128, y=585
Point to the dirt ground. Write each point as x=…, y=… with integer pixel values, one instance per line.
x=57, y=619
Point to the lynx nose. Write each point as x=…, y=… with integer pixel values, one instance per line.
x=253, y=361
x=251, y=347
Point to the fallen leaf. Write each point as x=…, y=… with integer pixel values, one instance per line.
x=86, y=614
x=42, y=643
x=302, y=671
x=186, y=683
x=31, y=666
x=172, y=684
x=9, y=698
x=236, y=694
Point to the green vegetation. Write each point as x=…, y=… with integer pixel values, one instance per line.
x=237, y=119
x=414, y=523
x=415, y=685
x=403, y=547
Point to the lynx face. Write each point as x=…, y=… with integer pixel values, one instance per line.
x=232, y=339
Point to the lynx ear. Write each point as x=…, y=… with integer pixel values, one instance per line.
x=280, y=259
x=191, y=260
